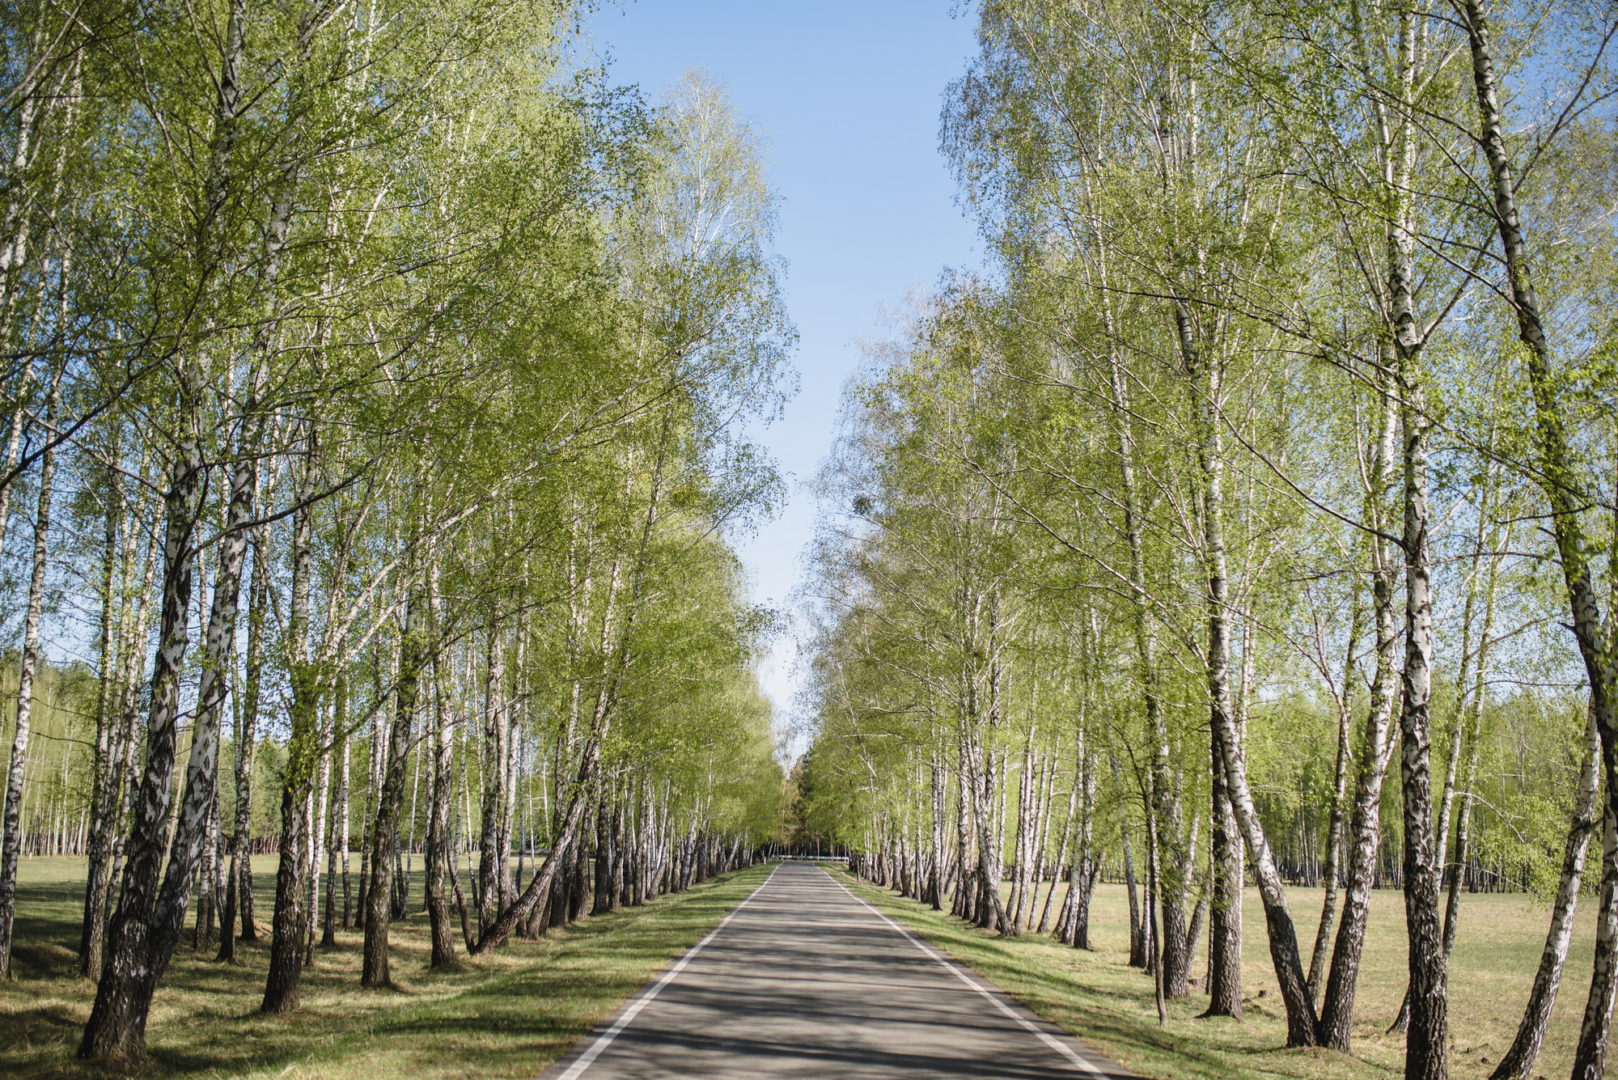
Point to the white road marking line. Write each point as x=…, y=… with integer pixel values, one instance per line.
x=1054, y=1043
x=606, y=1037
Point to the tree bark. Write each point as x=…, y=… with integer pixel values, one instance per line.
x=302, y=754
x=116, y=1031
x=438, y=839
x=1558, y=478
x=11, y=844
x=1365, y=827
x=385, y=831
x=1207, y=372
x=103, y=811
x=240, y=893
x=1427, y=1042
x=494, y=757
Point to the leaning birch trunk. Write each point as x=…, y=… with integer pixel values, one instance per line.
x=540, y=887
x=1525, y=1047
x=1334, y=832
x=1063, y=854
x=1302, y=1024
x=1469, y=727
x=11, y=846
x=1365, y=825
x=1557, y=476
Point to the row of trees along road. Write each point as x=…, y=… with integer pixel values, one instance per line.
x=372, y=374
x=1277, y=455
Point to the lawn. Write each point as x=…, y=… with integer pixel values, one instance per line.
x=1098, y=997
x=507, y=1015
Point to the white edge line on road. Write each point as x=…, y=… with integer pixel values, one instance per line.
x=1050, y=1040
x=605, y=1038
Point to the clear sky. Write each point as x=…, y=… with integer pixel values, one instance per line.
x=848, y=96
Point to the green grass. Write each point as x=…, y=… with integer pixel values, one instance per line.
x=506, y=1015
x=1110, y=1005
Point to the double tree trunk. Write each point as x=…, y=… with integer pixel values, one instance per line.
x=143, y=929
x=120, y=806
x=1171, y=858
x=568, y=834
x=1334, y=832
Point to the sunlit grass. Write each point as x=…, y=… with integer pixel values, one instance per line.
x=1098, y=997
x=506, y=1015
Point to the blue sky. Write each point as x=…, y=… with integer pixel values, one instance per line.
x=847, y=95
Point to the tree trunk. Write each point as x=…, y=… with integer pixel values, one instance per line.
x=1557, y=476
x=290, y=920
x=116, y=1031
x=1225, y=914
x=11, y=845
x=1334, y=832
x=385, y=831
x=1302, y=1023
x=438, y=840
x=108, y=746
x=1365, y=827
x=240, y=893
x=494, y=756
x=337, y=830
x=541, y=885
x=1525, y=1047
x=1427, y=1043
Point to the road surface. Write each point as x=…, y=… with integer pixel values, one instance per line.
x=804, y=979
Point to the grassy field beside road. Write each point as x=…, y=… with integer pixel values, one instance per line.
x=504, y=1016
x=1098, y=997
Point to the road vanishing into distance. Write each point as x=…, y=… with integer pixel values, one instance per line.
x=805, y=979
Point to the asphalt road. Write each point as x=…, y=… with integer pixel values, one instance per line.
x=804, y=979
